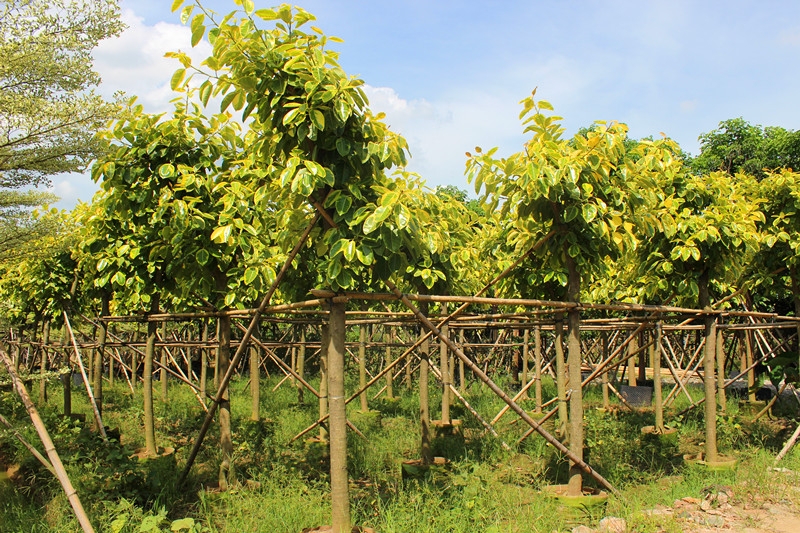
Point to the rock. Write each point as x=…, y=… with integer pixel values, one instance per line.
x=714, y=521
x=705, y=505
x=684, y=515
x=689, y=499
x=583, y=529
x=612, y=524
x=722, y=498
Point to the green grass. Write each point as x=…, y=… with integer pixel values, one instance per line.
x=285, y=486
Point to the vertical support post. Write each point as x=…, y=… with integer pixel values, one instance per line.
x=325, y=339
x=424, y=400
x=362, y=366
x=255, y=380
x=720, y=349
x=561, y=386
x=710, y=387
x=604, y=378
x=525, y=340
x=657, y=393
x=444, y=368
x=388, y=336
x=537, y=354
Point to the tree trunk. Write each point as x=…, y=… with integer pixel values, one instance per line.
x=227, y=475
x=388, y=336
x=561, y=385
x=709, y=361
x=537, y=354
x=633, y=346
x=424, y=401
x=204, y=360
x=340, y=497
x=43, y=361
x=301, y=364
x=147, y=386
x=99, y=356
x=255, y=381
x=575, y=486
x=525, y=339
x=163, y=360
x=720, y=349
x=325, y=339
x=362, y=366
x=657, y=393
x=445, y=370
x=461, y=372
x=604, y=379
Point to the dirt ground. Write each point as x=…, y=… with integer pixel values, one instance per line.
x=724, y=511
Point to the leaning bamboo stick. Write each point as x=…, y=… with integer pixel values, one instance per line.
x=95, y=409
x=49, y=448
x=41, y=458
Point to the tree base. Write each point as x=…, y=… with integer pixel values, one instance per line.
x=589, y=499
x=416, y=469
x=667, y=435
x=723, y=463
x=329, y=529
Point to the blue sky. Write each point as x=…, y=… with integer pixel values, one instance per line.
x=449, y=74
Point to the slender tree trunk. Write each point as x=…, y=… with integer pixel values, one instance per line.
x=709, y=361
x=445, y=370
x=323, y=378
x=751, y=375
x=657, y=393
x=362, y=366
x=461, y=372
x=255, y=380
x=227, y=475
x=163, y=359
x=43, y=361
x=424, y=401
x=575, y=486
x=720, y=349
x=301, y=364
x=99, y=356
x=217, y=375
x=340, y=497
x=388, y=335
x=204, y=360
x=632, y=347
x=561, y=385
x=537, y=354
x=66, y=379
x=604, y=379
x=147, y=386
x=525, y=339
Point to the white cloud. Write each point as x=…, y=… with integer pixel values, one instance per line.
x=135, y=62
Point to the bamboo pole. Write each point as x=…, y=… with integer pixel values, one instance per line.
x=49, y=448
x=95, y=409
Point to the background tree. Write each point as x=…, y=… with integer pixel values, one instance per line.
x=48, y=112
x=738, y=146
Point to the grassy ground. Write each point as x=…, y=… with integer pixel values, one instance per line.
x=284, y=486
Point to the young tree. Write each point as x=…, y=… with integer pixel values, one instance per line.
x=48, y=112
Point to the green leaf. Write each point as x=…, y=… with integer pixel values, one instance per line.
x=248, y=6
x=589, y=212
x=222, y=233
x=119, y=278
x=350, y=251
x=266, y=14
x=318, y=119
x=176, y=4
x=182, y=524
x=342, y=146
x=370, y=224
x=121, y=521
x=365, y=255
x=150, y=523
x=197, y=34
x=202, y=257
x=343, y=204
x=382, y=213
x=166, y=171
x=250, y=275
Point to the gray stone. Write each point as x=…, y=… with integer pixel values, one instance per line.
x=612, y=524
